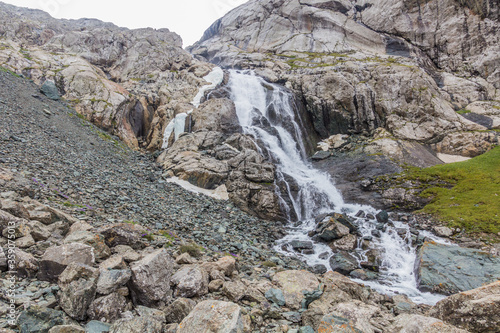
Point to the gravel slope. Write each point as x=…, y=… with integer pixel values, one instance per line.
x=81, y=169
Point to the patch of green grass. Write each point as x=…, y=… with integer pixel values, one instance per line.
x=469, y=194
x=6, y=70
x=464, y=111
x=193, y=250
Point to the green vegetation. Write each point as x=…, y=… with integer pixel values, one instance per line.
x=463, y=111
x=193, y=250
x=464, y=194
x=6, y=70
x=269, y=264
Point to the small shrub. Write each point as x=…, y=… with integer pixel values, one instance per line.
x=192, y=249
x=269, y=264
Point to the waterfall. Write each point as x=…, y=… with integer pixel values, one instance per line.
x=266, y=112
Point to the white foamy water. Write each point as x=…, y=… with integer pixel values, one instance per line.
x=266, y=112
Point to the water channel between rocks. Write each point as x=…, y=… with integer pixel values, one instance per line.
x=267, y=112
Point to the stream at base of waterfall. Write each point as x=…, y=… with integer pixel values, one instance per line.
x=268, y=113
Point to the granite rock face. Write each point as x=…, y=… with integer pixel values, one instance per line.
x=357, y=69
x=451, y=269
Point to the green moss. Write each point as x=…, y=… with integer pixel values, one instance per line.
x=463, y=111
x=6, y=70
x=464, y=194
x=193, y=250
x=268, y=264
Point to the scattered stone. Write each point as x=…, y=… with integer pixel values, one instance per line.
x=319, y=269
x=108, y=308
x=150, y=282
x=111, y=280
x=38, y=319
x=294, y=284
x=78, y=285
x=215, y=285
x=382, y=217
x=184, y=259
x=57, y=258
x=343, y=262
x=443, y=231
x=221, y=317
x=178, y=310
x=95, y=326
x=190, y=281
x=276, y=296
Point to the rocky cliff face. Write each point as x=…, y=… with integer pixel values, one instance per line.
x=404, y=66
x=130, y=82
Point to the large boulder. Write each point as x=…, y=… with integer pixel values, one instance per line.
x=343, y=262
x=190, y=281
x=124, y=234
x=78, y=284
x=213, y=316
x=449, y=269
x=474, y=310
x=294, y=284
x=55, y=259
x=216, y=115
x=150, y=282
x=421, y=324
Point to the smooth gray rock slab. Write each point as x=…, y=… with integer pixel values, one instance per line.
x=449, y=269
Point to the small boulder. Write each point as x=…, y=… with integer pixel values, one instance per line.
x=57, y=258
x=111, y=280
x=39, y=231
x=27, y=265
x=343, y=262
x=50, y=90
x=108, y=308
x=443, y=231
x=221, y=317
x=331, y=230
x=178, y=310
x=382, y=217
x=37, y=319
x=346, y=243
x=124, y=234
x=294, y=284
x=190, y=281
x=136, y=325
x=276, y=296
x=78, y=284
x=150, y=282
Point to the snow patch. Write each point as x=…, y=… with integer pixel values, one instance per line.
x=220, y=193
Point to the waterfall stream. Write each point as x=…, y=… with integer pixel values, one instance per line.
x=267, y=112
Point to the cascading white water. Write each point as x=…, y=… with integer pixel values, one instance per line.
x=265, y=111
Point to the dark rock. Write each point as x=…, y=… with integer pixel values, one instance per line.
x=343, y=262
x=363, y=275
x=300, y=245
x=50, y=90
x=38, y=319
x=376, y=233
x=294, y=317
x=382, y=217
x=95, y=326
x=321, y=155
x=449, y=269
x=319, y=269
